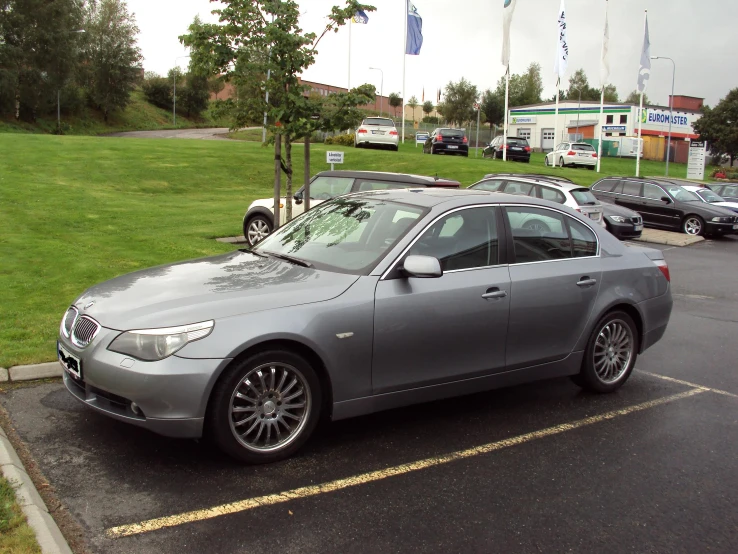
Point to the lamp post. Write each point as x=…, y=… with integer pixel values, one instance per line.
x=58, y=95
x=174, y=78
x=381, y=89
x=671, y=106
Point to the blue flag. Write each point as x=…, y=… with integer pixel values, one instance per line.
x=360, y=17
x=414, y=31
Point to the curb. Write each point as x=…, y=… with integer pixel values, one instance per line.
x=48, y=535
x=668, y=238
x=31, y=372
x=240, y=239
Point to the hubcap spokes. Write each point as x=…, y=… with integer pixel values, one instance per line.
x=613, y=351
x=269, y=407
x=258, y=230
x=693, y=227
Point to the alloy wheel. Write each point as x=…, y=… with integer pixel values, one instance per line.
x=269, y=407
x=693, y=226
x=258, y=231
x=613, y=351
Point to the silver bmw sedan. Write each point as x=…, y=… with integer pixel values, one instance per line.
x=369, y=301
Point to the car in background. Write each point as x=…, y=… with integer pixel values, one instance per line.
x=368, y=302
x=380, y=131
x=622, y=222
x=573, y=154
x=707, y=195
x=728, y=191
x=258, y=222
x=569, y=194
x=447, y=141
x=665, y=205
x=517, y=148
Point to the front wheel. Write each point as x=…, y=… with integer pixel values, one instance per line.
x=265, y=408
x=610, y=355
x=693, y=225
x=257, y=229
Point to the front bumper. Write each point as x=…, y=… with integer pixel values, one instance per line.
x=712, y=228
x=623, y=230
x=171, y=394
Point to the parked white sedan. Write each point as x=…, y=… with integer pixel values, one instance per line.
x=573, y=154
x=378, y=131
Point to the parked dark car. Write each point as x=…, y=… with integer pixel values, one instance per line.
x=518, y=149
x=622, y=222
x=729, y=191
x=666, y=205
x=447, y=141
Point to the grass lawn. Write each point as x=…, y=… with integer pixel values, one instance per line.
x=78, y=210
x=16, y=537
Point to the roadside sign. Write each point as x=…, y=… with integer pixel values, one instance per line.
x=696, y=161
x=333, y=158
x=614, y=128
x=420, y=138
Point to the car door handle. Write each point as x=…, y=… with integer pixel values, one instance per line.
x=494, y=293
x=586, y=282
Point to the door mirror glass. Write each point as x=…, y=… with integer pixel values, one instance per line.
x=298, y=198
x=666, y=199
x=422, y=266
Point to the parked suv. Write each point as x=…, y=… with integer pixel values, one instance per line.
x=258, y=222
x=556, y=190
x=447, y=141
x=518, y=149
x=667, y=205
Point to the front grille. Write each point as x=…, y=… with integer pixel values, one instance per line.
x=68, y=321
x=84, y=331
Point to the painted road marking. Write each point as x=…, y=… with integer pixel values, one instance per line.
x=339, y=484
x=693, y=385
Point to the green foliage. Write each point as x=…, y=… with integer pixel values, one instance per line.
x=579, y=84
x=16, y=536
x=611, y=94
x=158, y=91
x=432, y=120
x=395, y=100
x=216, y=85
x=343, y=140
x=493, y=107
x=193, y=97
x=427, y=107
x=719, y=126
x=635, y=98
x=458, y=103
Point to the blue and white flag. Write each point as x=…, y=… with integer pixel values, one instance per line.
x=414, y=31
x=360, y=17
x=644, y=73
x=507, y=15
x=562, y=45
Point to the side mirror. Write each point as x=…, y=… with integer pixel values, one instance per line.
x=423, y=267
x=666, y=199
x=298, y=198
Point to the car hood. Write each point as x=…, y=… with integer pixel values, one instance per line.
x=614, y=209
x=208, y=288
x=729, y=205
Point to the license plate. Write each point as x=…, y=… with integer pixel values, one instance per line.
x=514, y=148
x=450, y=147
x=70, y=363
x=735, y=226
x=583, y=154
x=595, y=216
x=639, y=227
x=377, y=132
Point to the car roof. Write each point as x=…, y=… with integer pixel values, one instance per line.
x=423, y=180
x=676, y=181
x=538, y=179
x=535, y=176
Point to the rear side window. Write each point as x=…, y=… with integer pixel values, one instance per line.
x=631, y=188
x=491, y=185
x=583, y=240
x=514, y=187
x=583, y=147
x=538, y=235
x=378, y=121
x=553, y=195
x=584, y=197
x=606, y=185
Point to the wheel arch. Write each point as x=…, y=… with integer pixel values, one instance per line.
x=259, y=210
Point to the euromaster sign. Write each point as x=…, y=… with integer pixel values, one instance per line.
x=657, y=119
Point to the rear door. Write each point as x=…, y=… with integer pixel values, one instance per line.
x=660, y=212
x=629, y=195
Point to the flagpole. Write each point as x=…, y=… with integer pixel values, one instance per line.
x=404, y=58
x=599, y=142
x=349, y=57
x=556, y=120
x=507, y=103
x=640, y=119
x=604, y=77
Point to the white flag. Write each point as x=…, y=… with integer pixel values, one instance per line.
x=562, y=48
x=644, y=73
x=507, y=15
x=605, y=66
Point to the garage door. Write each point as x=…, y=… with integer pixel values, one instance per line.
x=547, y=139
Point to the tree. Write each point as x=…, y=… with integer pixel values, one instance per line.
x=611, y=94
x=579, y=84
x=194, y=95
x=395, y=100
x=525, y=89
x=427, y=107
x=458, y=104
x=216, y=86
x=635, y=98
x=111, y=55
x=719, y=126
x=493, y=108
x=413, y=103
x=158, y=91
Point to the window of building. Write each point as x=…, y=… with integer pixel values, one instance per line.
x=609, y=119
x=524, y=133
x=623, y=119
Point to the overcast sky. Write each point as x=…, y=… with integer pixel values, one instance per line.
x=463, y=38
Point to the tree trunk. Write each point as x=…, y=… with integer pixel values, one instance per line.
x=288, y=188
x=306, y=191
x=17, y=102
x=277, y=176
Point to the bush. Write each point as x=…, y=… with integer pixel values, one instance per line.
x=342, y=140
x=725, y=173
x=431, y=119
x=158, y=91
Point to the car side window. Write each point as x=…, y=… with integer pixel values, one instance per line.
x=583, y=240
x=547, y=193
x=538, y=235
x=325, y=188
x=515, y=187
x=606, y=185
x=730, y=191
x=492, y=185
x=465, y=239
x=631, y=188
x=382, y=185
x=653, y=192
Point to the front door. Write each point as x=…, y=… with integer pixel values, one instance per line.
x=444, y=329
x=660, y=212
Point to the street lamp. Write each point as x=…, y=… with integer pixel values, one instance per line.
x=381, y=89
x=671, y=106
x=174, y=78
x=58, y=94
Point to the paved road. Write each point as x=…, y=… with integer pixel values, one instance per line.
x=652, y=468
x=215, y=133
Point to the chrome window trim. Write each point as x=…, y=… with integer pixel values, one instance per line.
x=654, y=185
x=75, y=342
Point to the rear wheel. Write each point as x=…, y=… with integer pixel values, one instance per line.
x=545, y=161
x=591, y=167
x=561, y=162
x=693, y=225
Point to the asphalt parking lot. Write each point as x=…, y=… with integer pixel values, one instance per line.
x=536, y=468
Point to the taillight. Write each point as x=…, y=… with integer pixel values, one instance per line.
x=594, y=154
x=664, y=268
x=527, y=148
x=505, y=146
x=465, y=140
x=362, y=131
x=393, y=133
x=571, y=153
x=439, y=138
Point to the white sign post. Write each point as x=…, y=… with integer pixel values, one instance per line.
x=420, y=138
x=333, y=158
x=696, y=161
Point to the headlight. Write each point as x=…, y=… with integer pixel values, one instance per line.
x=722, y=219
x=156, y=344
x=618, y=218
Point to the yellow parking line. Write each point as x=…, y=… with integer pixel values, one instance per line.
x=339, y=484
x=693, y=385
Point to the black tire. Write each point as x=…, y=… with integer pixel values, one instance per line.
x=260, y=221
x=591, y=167
x=396, y=148
x=589, y=378
x=561, y=162
x=545, y=161
x=694, y=225
x=527, y=161
x=219, y=418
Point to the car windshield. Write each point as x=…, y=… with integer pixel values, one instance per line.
x=348, y=235
x=583, y=147
x=584, y=197
x=379, y=121
x=451, y=132
x=681, y=194
x=709, y=196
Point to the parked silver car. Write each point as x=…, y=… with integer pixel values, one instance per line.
x=369, y=301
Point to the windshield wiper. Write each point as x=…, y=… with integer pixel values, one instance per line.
x=254, y=252
x=291, y=259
